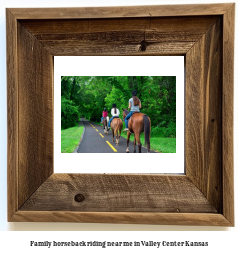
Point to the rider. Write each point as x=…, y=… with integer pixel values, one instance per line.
x=134, y=105
x=104, y=114
x=114, y=112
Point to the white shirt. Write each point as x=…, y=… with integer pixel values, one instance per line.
x=113, y=113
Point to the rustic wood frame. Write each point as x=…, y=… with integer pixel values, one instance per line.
x=204, y=34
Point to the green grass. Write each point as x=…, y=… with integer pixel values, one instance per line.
x=161, y=145
x=70, y=138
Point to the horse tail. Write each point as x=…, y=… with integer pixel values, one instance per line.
x=117, y=127
x=147, y=128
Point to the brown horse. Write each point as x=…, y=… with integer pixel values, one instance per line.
x=116, y=125
x=105, y=124
x=138, y=123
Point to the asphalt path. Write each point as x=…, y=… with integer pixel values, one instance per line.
x=95, y=141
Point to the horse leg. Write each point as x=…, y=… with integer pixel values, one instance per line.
x=116, y=136
x=128, y=140
x=112, y=135
x=119, y=133
x=116, y=132
x=134, y=144
x=137, y=138
x=147, y=130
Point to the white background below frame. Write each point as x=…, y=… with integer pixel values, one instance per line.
x=155, y=163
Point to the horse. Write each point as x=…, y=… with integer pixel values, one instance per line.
x=138, y=123
x=116, y=126
x=105, y=124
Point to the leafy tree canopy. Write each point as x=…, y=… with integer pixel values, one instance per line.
x=89, y=95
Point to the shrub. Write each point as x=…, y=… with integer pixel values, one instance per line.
x=161, y=131
x=69, y=113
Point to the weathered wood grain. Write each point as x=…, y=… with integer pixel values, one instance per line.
x=203, y=114
x=189, y=25
x=190, y=219
x=227, y=113
x=114, y=193
x=34, y=36
x=12, y=114
x=72, y=48
x=35, y=101
x=177, y=25
x=119, y=36
x=121, y=11
x=78, y=26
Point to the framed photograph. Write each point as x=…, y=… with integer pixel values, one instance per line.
x=202, y=195
x=160, y=85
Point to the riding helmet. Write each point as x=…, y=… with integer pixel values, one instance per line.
x=134, y=93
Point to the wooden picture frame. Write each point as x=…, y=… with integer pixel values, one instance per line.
x=204, y=34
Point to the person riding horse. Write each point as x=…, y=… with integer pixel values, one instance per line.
x=138, y=123
x=114, y=112
x=134, y=105
x=104, y=114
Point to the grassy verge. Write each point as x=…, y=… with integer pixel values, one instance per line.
x=161, y=145
x=158, y=144
x=70, y=138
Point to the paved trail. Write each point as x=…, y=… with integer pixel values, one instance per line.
x=95, y=141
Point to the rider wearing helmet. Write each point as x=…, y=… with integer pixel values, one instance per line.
x=114, y=112
x=104, y=114
x=134, y=105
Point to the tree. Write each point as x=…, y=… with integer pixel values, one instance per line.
x=91, y=94
x=69, y=113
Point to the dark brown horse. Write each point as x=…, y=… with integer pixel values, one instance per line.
x=116, y=126
x=138, y=123
x=105, y=124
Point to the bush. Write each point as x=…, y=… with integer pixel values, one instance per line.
x=69, y=113
x=162, y=131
